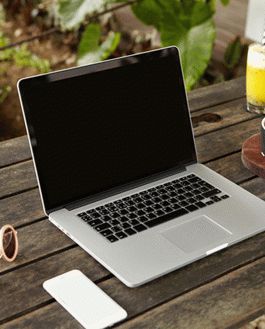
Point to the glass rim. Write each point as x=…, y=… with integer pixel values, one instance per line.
x=2, y=250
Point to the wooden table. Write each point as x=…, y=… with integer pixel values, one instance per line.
x=224, y=290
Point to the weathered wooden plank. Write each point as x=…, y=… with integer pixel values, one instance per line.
x=22, y=289
x=232, y=168
x=37, y=240
x=222, y=142
x=14, y=150
x=16, y=178
x=139, y=300
x=223, y=303
x=225, y=115
x=216, y=94
x=52, y=316
x=21, y=209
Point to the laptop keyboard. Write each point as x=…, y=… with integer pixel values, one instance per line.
x=139, y=212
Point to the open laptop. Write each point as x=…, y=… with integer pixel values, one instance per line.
x=116, y=164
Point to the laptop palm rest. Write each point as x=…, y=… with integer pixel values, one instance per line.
x=197, y=234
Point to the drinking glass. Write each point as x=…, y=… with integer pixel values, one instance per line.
x=256, y=78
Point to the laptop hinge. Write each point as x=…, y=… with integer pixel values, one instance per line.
x=120, y=189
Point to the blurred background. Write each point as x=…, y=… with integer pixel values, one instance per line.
x=38, y=36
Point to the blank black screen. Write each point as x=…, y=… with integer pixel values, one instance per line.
x=91, y=132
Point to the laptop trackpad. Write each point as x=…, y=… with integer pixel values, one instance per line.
x=197, y=234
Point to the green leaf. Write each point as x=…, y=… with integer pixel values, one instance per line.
x=233, y=53
x=225, y=2
x=90, y=50
x=4, y=91
x=89, y=40
x=25, y=58
x=71, y=13
x=195, y=47
x=186, y=24
x=2, y=14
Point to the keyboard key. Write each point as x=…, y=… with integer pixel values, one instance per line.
x=130, y=231
x=149, y=209
x=132, y=216
x=157, y=206
x=176, y=206
x=124, y=212
x=103, y=211
x=140, y=205
x=140, y=213
x=134, y=222
x=121, y=235
x=143, y=219
x=114, y=222
x=106, y=218
x=211, y=193
x=216, y=199
x=191, y=207
x=81, y=214
x=167, y=217
x=106, y=232
x=140, y=228
x=184, y=203
x=116, y=228
x=112, y=238
x=151, y=216
x=209, y=202
x=115, y=215
x=95, y=215
x=191, y=200
x=102, y=227
x=86, y=218
x=160, y=213
x=224, y=196
x=200, y=204
x=148, y=203
x=94, y=222
x=121, y=205
x=123, y=219
x=125, y=225
x=181, y=197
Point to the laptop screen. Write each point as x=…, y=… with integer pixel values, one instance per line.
x=97, y=127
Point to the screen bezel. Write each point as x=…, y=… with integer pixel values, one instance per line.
x=24, y=86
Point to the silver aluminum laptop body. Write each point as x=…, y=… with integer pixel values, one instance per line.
x=161, y=249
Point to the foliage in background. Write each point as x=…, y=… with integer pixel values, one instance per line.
x=4, y=91
x=186, y=24
x=90, y=50
x=22, y=56
x=233, y=53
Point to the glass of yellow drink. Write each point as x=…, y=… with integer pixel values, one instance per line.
x=256, y=78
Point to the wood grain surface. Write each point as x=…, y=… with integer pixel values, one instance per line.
x=221, y=291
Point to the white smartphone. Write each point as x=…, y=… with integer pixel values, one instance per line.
x=85, y=301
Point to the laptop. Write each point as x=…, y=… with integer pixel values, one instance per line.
x=115, y=158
